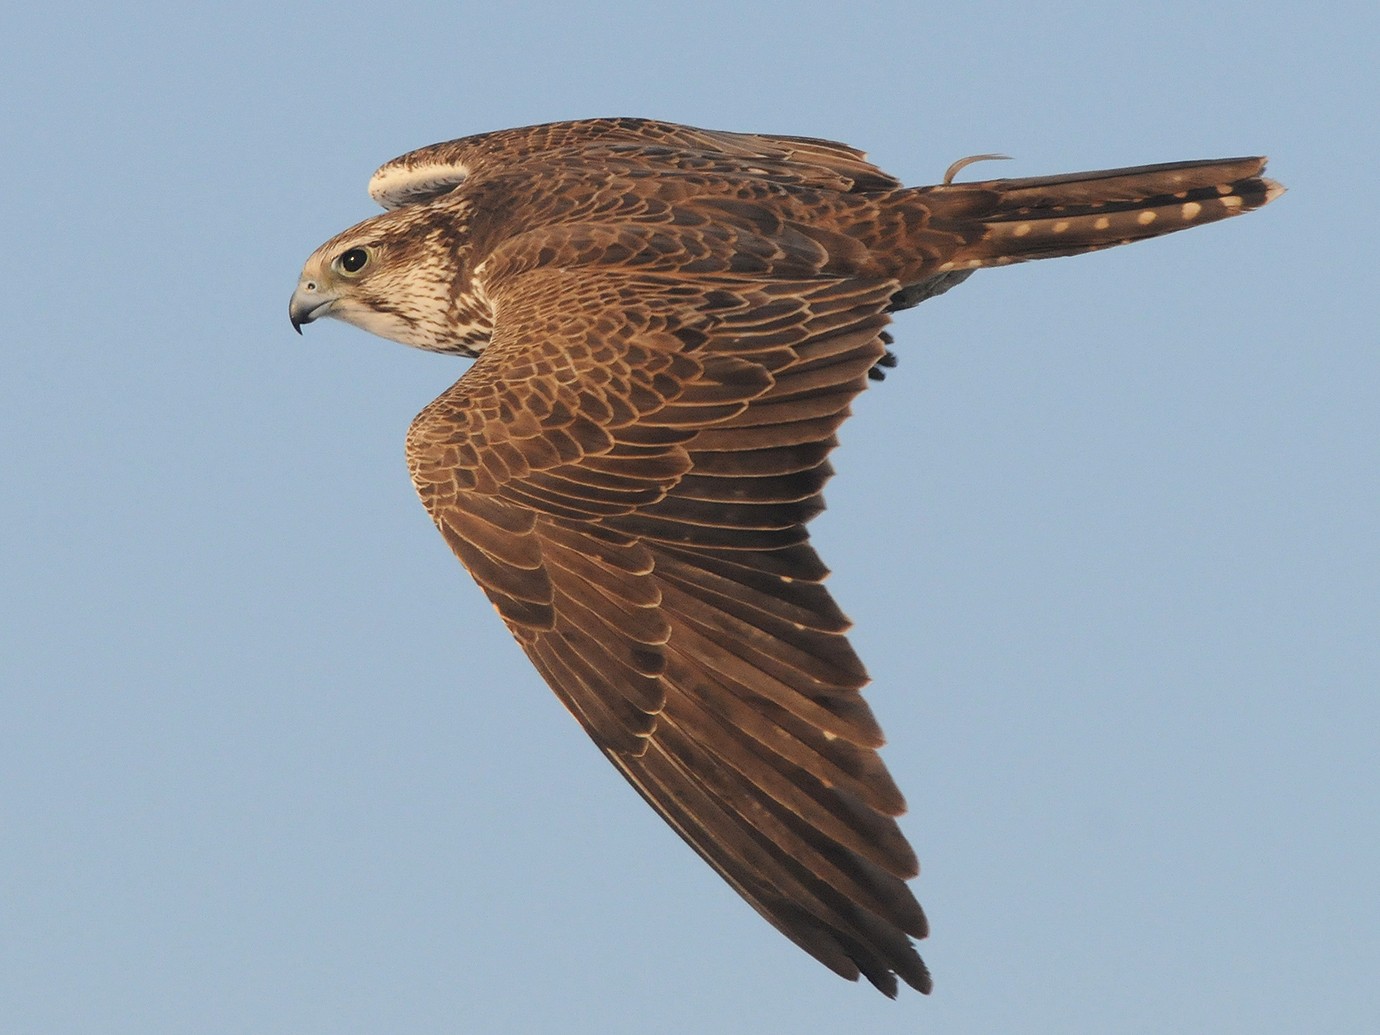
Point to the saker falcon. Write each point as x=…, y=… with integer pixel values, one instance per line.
x=669, y=325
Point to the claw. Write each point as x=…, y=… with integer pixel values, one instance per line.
x=888, y=361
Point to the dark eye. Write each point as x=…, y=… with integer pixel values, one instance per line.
x=353, y=261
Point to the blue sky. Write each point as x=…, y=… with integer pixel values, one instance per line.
x=270, y=764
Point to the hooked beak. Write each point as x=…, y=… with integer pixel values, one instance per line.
x=308, y=303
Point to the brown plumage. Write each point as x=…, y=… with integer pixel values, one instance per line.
x=671, y=324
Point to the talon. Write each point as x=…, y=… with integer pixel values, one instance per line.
x=888, y=361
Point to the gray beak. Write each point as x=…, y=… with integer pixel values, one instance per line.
x=308, y=303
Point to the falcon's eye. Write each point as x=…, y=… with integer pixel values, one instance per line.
x=353, y=261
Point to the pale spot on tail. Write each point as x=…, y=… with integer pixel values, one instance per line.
x=1061, y=226
x=1101, y=223
x=1145, y=218
x=1190, y=210
x=1232, y=202
x=1021, y=230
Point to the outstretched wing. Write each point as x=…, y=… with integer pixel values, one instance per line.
x=627, y=471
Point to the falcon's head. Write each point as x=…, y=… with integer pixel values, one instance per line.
x=403, y=276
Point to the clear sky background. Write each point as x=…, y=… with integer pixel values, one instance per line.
x=270, y=764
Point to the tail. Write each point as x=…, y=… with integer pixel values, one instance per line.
x=1005, y=221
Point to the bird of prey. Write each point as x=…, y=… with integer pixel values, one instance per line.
x=669, y=324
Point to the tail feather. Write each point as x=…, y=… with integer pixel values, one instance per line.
x=1047, y=216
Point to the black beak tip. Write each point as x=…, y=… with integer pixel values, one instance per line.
x=295, y=325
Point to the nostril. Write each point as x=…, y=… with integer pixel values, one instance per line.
x=311, y=285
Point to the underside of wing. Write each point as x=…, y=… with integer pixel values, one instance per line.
x=627, y=471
